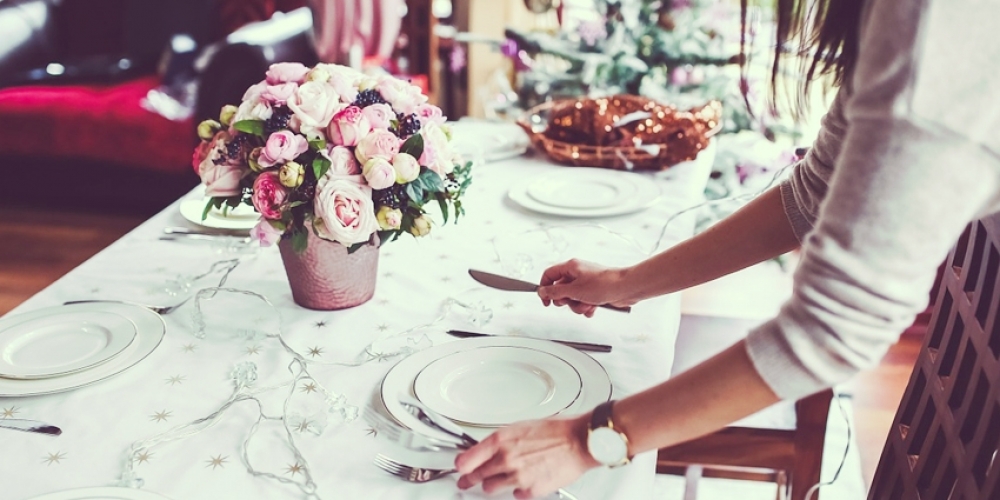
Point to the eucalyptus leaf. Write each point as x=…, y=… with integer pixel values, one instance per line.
x=431, y=181
x=443, y=203
x=414, y=191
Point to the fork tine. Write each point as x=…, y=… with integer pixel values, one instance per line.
x=387, y=464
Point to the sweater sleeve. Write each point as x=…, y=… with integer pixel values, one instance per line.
x=906, y=182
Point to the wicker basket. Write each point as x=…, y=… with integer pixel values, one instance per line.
x=621, y=132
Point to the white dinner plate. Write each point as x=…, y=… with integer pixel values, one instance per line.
x=586, y=192
x=101, y=493
x=498, y=385
x=487, y=140
x=241, y=218
x=596, y=386
x=63, y=343
x=149, y=328
x=584, y=189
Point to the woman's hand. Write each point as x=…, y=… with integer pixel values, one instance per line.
x=534, y=458
x=583, y=286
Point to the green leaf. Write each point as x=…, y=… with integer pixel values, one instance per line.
x=384, y=236
x=415, y=192
x=320, y=166
x=317, y=144
x=296, y=204
x=300, y=240
x=208, y=208
x=414, y=146
x=355, y=247
x=431, y=181
x=255, y=127
x=443, y=203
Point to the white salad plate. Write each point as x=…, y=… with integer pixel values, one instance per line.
x=241, y=218
x=149, y=329
x=101, y=493
x=586, y=192
x=498, y=385
x=63, y=343
x=489, y=141
x=595, y=386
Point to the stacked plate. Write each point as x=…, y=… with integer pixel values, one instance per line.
x=484, y=383
x=241, y=218
x=586, y=192
x=101, y=493
x=65, y=347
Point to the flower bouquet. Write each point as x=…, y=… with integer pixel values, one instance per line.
x=331, y=155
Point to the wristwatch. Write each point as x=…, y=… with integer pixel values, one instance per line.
x=608, y=445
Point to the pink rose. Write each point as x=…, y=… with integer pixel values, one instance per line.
x=403, y=96
x=265, y=234
x=220, y=177
x=342, y=161
x=429, y=113
x=282, y=146
x=380, y=143
x=379, y=173
x=286, y=72
x=279, y=94
x=348, y=126
x=344, y=210
x=379, y=115
x=314, y=105
x=437, y=153
x=255, y=91
x=201, y=151
x=269, y=195
x=344, y=80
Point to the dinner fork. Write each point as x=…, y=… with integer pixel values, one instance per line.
x=157, y=309
x=407, y=438
x=413, y=474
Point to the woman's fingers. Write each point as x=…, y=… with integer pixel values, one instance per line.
x=470, y=460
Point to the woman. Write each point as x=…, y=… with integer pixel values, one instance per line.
x=908, y=154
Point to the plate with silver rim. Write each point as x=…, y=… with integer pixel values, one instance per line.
x=149, y=332
x=240, y=218
x=595, y=385
x=498, y=385
x=62, y=343
x=101, y=493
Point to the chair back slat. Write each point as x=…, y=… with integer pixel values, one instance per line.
x=945, y=437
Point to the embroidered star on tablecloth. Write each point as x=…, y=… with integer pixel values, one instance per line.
x=387, y=275
x=216, y=461
x=160, y=416
x=371, y=431
x=320, y=324
x=308, y=388
x=315, y=351
x=9, y=412
x=446, y=279
x=294, y=469
x=174, y=380
x=143, y=457
x=508, y=305
x=383, y=302
x=253, y=350
x=188, y=347
x=382, y=327
x=303, y=426
x=53, y=458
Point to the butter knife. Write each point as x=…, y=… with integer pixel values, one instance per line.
x=175, y=233
x=30, y=426
x=513, y=285
x=583, y=346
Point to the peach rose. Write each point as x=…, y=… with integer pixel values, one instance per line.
x=282, y=146
x=379, y=173
x=344, y=210
x=342, y=161
x=380, y=143
x=348, y=126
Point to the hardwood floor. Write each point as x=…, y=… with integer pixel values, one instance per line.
x=39, y=246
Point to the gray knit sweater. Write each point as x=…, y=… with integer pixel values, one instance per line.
x=907, y=156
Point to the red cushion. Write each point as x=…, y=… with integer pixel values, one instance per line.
x=94, y=122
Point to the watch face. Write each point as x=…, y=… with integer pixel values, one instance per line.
x=607, y=446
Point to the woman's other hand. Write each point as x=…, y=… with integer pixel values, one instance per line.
x=583, y=286
x=534, y=458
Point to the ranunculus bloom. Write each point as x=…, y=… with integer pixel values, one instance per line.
x=379, y=143
x=379, y=173
x=201, y=151
x=291, y=174
x=437, y=153
x=286, y=72
x=265, y=234
x=342, y=161
x=220, y=177
x=279, y=94
x=403, y=96
x=379, y=115
x=348, y=126
x=314, y=105
x=406, y=167
x=282, y=146
x=429, y=113
x=255, y=108
x=269, y=195
x=389, y=218
x=421, y=226
x=345, y=210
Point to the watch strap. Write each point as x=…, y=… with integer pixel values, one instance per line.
x=601, y=416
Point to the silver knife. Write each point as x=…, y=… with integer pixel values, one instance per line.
x=174, y=233
x=510, y=284
x=583, y=346
x=30, y=426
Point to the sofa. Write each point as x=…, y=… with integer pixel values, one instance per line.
x=74, y=74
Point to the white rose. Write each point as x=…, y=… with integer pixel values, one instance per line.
x=406, y=167
x=344, y=80
x=404, y=97
x=314, y=105
x=437, y=154
x=344, y=210
x=253, y=109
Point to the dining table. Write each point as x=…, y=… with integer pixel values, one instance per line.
x=248, y=395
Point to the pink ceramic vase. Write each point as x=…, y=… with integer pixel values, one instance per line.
x=326, y=277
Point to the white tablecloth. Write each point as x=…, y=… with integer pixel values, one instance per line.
x=187, y=378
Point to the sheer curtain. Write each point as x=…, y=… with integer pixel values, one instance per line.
x=349, y=30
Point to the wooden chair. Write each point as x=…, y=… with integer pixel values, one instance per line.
x=945, y=438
